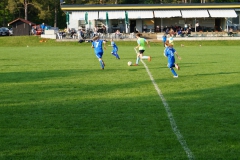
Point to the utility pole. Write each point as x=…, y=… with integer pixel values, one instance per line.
x=25, y=9
x=55, y=16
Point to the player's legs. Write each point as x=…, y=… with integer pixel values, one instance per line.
x=114, y=53
x=177, y=66
x=137, y=60
x=139, y=56
x=117, y=55
x=172, y=70
x=99, y=56
x=147, y=57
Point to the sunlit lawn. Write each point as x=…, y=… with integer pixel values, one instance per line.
x=56, y=103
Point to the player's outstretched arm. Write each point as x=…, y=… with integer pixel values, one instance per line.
x=178, y=56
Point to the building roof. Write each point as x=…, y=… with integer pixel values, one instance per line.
x=23, y=20
x=76, y=7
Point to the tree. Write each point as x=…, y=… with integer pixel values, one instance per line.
x=14, y=5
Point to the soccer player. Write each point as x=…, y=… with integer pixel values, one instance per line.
x=115, y=49
x=166, y=47
x=97, y=45
x=141, y=48
x=170, y=52
x=171, y=39
x=164, y=39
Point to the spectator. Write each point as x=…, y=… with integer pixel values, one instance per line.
x=95, y=31
x=188, y=32
x=144, y=28
x=185, y=26
x=230, y=33
x=34, y=30
x=42, y=27
x=80, y=34
x=73, y=33
x=157, y=28
x=167, y=30
x=104, y=29
x=60, y=34
x=118, y=34
x=136, y=30
x=65, y=30
x=197, y=26
x=180, y=32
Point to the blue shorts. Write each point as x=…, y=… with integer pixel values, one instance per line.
x=114, y=51
x=99, y=55
x=171, y=65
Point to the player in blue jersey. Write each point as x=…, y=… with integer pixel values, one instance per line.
x=164, y=39
x=97, y=45
x=166, y=46
x=115, y=49
x=170, y=52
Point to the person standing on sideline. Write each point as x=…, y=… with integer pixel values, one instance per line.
x=185, y=26
x=97, y=45
x=141, y=48
x=115, y=49
x=42, y=27
x=170, y=52
x=95, y=31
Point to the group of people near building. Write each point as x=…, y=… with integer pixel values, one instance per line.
x=178, y=30
x=38, y=29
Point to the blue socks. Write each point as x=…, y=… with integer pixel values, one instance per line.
x=101, y=63
x=116, y=55
x=173, y=72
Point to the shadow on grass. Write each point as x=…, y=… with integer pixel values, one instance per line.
x=88, y=117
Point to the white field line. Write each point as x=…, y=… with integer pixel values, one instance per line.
x=170, y=116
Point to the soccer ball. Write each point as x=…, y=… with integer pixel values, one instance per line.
x=129, y=63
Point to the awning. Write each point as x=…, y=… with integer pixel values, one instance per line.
x=222, y=13
x=81, y=15
x=167, y=13
x=92, y=15
x=78, y=15
x=112, y=14
x=140, y=14
x=194, y=13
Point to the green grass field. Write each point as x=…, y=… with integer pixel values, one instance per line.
x=56, y=102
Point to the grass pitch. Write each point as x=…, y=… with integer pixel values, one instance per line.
x=56, y=103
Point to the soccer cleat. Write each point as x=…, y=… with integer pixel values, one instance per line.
x=175, y=76
x=135, y=64
x=177, y=66
x=102, y=68
x=149, y=58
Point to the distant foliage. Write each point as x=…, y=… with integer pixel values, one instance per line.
x=49, y=11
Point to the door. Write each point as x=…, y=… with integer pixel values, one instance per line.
x=132, y=26
x=217, y=24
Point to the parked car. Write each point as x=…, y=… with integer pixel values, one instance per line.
x=4, y=31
